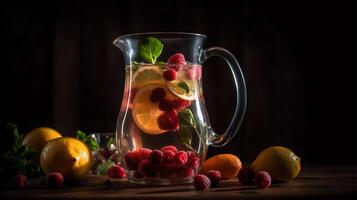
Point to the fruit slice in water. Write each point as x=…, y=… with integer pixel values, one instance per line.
x=183, y=87
x=147, y=75
x=145, y=113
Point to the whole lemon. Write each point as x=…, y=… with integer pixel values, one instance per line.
x=68, y=156
x=37, y=138
x=280, y=162
x=228, y=164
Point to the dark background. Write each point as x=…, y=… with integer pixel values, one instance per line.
x=60, y=69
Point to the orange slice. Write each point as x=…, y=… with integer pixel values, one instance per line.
x=145, y=113
x=191, y=85
x=145, y=75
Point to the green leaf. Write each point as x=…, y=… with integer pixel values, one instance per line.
x=110, y=142
x=185, y=134
x=91, y=142
x=150, y=49
x=186, y=118
x=183, y=85
x=103, y=168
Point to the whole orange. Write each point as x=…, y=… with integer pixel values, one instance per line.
x=228, y=164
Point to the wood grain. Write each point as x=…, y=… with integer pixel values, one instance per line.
x=312, y=183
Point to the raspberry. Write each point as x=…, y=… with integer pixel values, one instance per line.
x=169, y=156
x=198, y=73
x=191, y=74
x=215, y=177
x=156, y=157
x=191, y=154
x=176, y=61
x=246, y=175
x=193, y=162
x=170, y=75
x=184, y=172
x=18, y=181
x=146, y=168
x=157, y=94
x=201, y=182
x=262, y=179
x=181, y=158
x=165, y=105
x=168, y=121
x=180, y=104
x=54, y=180
x=132, y=160
x=144, y=153
x=116, y=171
x=167, y=170
x=194, y=73
x=170, y=147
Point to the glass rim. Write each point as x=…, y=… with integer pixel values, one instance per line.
x=175, y=34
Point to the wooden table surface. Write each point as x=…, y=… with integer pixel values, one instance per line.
x=312, y=183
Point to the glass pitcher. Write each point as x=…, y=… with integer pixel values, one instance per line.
x=163, y=130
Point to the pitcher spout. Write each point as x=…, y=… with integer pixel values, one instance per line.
x=119, y=43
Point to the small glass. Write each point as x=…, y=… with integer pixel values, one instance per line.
x=106, y=155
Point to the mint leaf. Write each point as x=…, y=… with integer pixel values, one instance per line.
x=187, y=126
x=186, y=118
x=110, y=142
x=15, y=157
x=150, y=49
x=183, y=85
x=185, y=135
x=90, y=141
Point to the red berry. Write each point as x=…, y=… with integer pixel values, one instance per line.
x=146, y=168
x=191, y=74
x=144, y=153
x=157, y=94
x=170, y=147
x=246, y=175
x=170, y=75
x=193, y=162
x=181, y=158
x=168, y=156
x=215, y=177
x=132, y=160
x=201, y=182
x=18, y=181
x=167, y=170
x=176, y=61
x=191, y=154
x=54, y=180
x=198, y=73
x=180, y=104
x=156, y=157
x=194, y=73
x=169, y=120
x=165, y=105
x=184, y=172
x=263, y=179
x=116, y=171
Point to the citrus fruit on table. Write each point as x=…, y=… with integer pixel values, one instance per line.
x=68, y=156
x=145, y=113
x=145, y=75
x=37, y=138
x=228, y=164
x=280, y=162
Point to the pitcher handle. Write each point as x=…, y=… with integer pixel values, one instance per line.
x=217, y=140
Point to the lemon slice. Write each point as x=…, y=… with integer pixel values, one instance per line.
x=145, y=113
x=145, y=75
x=182, y=87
